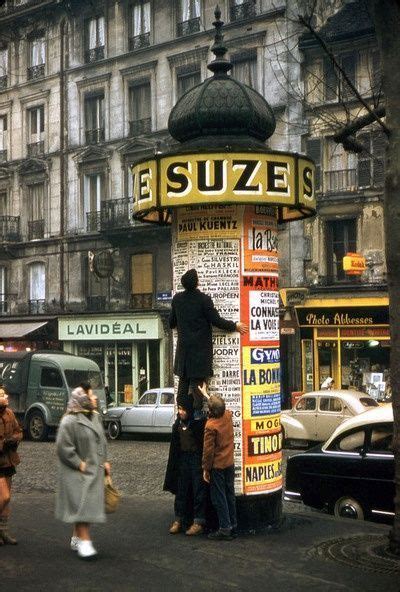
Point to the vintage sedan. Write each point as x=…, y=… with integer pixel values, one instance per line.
x=154, y=414
x=352, y=474
x=317, y=414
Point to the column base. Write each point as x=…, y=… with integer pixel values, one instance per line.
x=256, y=513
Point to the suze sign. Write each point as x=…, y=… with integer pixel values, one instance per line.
x=242, y=178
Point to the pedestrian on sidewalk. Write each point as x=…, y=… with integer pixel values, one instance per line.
x=218, y=465
x=193, y=315
x=81, y=449
x=10, y=437
x=184, y=476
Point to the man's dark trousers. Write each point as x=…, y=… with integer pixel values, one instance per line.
x=190, y=478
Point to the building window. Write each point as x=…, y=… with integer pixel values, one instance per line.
x=95, y=39
x=3, y=203
x=37, y=56
x=35, y=211
x=139, y=35
x=37, y=288
x=336, y=88
x=313, y=150
x=188, y=21
x=142, y=280
x=187, y=78
x=370, y=166
x=93, y=195
x=36, y=131
x=3, y=68
x=3, y=138
x=242, y=9
x=341, y=239
x=94, y=119
x=140, y=109
x=244, y=68
x=3, y=290
x=342, y=173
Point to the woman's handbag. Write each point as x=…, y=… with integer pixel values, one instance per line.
x=112, y=496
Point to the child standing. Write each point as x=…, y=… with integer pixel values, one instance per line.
x=218, y=465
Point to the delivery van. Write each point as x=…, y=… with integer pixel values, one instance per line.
x=39, y=385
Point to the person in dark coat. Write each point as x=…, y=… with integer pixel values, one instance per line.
x=184, y=476
x=193, y=315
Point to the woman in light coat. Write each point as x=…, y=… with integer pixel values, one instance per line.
x=81, y=449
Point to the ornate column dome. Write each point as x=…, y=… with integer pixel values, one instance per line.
x=221, y=109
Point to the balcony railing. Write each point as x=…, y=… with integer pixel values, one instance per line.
x=188, y=27
x=3, y=155
x=94, y=136
x=95, y=54
x=96, y=303
x=343, y=180
x=243, y=11
x=35, y=148
x=93, y=221
x=36, y=72
x=37, y=306
x=139, y=41
x=10, y=229
x=140, y=301
x=7, y=303
x=116, y=213
x=35, y=229
x=3, y=82
x=140, y=126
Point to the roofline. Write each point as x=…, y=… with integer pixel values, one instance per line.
x=309, y=42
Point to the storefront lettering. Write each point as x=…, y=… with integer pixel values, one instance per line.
x=337, y=319
x=87, y=329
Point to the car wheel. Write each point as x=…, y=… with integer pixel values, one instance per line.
x=37, y=428
x=114, y=430
x=348, y=507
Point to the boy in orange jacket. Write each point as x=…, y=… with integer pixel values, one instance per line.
x=218, y=465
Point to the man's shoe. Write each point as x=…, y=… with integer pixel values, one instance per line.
x=195, y=530
x=221, y=535
x=86, y=550
x=7, y=539
x=176, y=527
x=74, y=543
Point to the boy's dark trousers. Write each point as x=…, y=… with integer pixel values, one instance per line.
x=190, y=479
x=222, y=490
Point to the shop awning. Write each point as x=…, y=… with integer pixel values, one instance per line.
x=18, y=330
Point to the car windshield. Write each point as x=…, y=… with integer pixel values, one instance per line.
x=369, y=402
x=75, y=377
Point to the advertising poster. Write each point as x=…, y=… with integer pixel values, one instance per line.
x=260, y=242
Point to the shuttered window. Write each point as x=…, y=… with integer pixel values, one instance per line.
x=370, y=167
x=331, y=81
x=348, y=62
x=142, y=273
x=313, y=150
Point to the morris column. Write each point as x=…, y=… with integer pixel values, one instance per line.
x=224, y=193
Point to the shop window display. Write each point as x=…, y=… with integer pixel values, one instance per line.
x=365, y=367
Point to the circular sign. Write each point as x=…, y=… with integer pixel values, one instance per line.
x=103, y=264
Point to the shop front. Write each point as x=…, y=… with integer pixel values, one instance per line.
x=128, y=349
x=347, y=339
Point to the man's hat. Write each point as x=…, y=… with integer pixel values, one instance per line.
x=190, y=279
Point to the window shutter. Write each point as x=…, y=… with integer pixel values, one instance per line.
x=142, y=273
x=331, y=81
x=313, y=150
x=378, y=151
x=364, y=161
x=349, y=64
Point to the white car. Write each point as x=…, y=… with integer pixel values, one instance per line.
x=154, y=413
x=317, y=414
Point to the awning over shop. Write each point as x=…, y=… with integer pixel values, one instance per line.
x=18, y=330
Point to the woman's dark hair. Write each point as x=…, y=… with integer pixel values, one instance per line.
x=86, y=386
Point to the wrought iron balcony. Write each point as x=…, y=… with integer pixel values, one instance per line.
x=94, y=54
x=116, y=213
x=35, y=229
x=343, y=180
x=7, y=303
x=10, y=229
x=243, y=11
x=140, y=126
x=139, y=41
x=37, y=306
x=94, y=136
x=3, y=82
x=35, y=72
x=140, y=301
x=188, y=27
x=93, y=221
x=3, y=155
x=35, y=148
x=96, y=303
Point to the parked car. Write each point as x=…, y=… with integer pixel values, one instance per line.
x=154, y=413
x=317, y=414
x=352, y=474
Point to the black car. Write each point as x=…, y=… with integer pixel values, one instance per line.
x=352, y=474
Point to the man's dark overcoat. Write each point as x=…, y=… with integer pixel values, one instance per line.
x=193, y=314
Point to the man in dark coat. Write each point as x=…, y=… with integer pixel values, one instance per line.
x=193, y=315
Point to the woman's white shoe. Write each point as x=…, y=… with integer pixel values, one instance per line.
x=86, y=550
x=74, y=543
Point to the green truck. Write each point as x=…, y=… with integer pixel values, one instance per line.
x=39, y=384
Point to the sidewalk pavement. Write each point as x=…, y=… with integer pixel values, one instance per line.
x=137, y=554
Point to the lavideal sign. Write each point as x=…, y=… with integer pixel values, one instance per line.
x=115, y=329
x=271, y=178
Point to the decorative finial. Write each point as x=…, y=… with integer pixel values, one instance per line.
x=220, y=66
